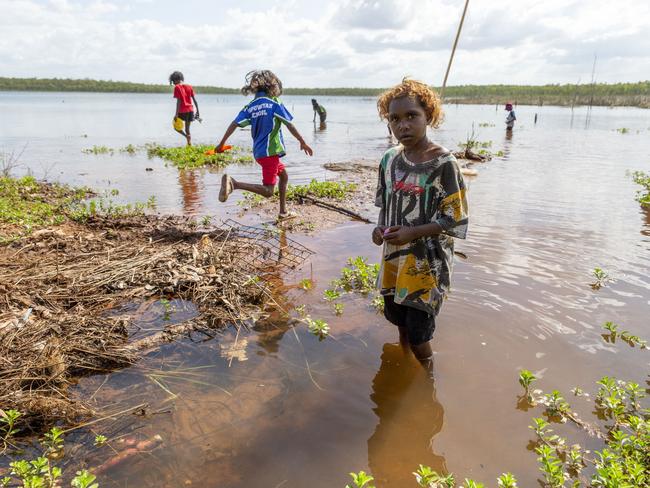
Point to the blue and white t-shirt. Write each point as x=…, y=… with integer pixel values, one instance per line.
x=265, y=115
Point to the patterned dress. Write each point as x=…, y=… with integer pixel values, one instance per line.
x=418, y=273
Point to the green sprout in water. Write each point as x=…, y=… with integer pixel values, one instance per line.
x=338, y=308
x=360, y=480
x=306, y=284
x=601, y=278
x=526, y=379
x=642, y=179
x=331, y=295
x=317, y=327
x=100, y=440
x=426, y=477
x=205, y=221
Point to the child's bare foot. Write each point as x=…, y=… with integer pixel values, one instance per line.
x=189, y=140
x=226, y=188
x=287, y=215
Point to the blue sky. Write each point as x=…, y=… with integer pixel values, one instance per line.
x=335, y=43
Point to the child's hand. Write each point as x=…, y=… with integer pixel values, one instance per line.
x=400, y=234
x=378, y=234
x=308, y=150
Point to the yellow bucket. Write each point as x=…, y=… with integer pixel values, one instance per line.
x=178, y=124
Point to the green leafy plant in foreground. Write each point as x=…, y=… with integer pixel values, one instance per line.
x=189, y=157
x=360, y=480
x=625, y=335
x=318, y=327
x=41, y=472
x=358, y=276
x=100, y=207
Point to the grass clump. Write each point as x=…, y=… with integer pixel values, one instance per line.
x=96, y=150
x=334, y=190
x=331, y=190
x=83, y=211
x=643, y=179
x=190, y=157
x=26, y=203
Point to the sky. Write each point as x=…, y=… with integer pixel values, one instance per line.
x=338, y=43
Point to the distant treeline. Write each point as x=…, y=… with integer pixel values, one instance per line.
x=616, y=94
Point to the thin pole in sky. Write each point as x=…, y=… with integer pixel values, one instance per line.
x=453, y=49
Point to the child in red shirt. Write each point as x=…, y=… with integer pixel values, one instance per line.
x=184, y=95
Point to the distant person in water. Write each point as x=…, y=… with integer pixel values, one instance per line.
x=184, y=95
x=320, y=110
x=266, y=115
x=423, y=207
x=510, y=119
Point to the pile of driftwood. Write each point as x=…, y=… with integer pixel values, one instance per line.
x=59, y=289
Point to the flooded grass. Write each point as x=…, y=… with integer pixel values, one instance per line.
x=197, y=156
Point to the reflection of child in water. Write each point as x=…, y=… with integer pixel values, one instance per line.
x=421, y=196
x=510, y=119
x=184, y=95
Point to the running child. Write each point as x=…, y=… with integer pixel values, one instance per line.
x=184, y=95
x=423, y=207
x=265, y=114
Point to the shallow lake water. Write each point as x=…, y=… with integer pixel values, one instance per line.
x=287, y=410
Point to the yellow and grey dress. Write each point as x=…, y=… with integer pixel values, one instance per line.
x=418, y=273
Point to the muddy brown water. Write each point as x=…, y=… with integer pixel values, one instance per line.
x=284, y=409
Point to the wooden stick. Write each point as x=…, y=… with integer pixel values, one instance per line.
x=335, y=208
x=453, y=49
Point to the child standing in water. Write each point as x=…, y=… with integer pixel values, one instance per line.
x=423, y=207
x=510, y=119
x=184, y=95
x=320, y=110
x=265, y=114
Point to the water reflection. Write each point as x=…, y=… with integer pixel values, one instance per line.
x=191, y=183
x=409, y=417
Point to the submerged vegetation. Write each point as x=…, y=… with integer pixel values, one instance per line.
x=189, y=157
x=615, y=94
x=358, y=276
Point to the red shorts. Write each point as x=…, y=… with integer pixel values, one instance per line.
x=271, y=168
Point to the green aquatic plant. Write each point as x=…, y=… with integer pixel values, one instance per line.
x=100, y=440
x=205, y=221
x=485, y=124
x=360, y=480
x=318, y=327
x=427, y=477
x=338, y=308
x=330, y=295
x=168, y=309
x=189, y=157
x=130, y=148
x=526, y=379
x=306, y=284
x=332, y=190
x=601, y=278
x=622, y=130
x=642, y=179
x=625, y=335
x=41, y=472
x=98, y=150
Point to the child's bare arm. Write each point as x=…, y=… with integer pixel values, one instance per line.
x=231, y=128
x=196, y=104
x=303, y=145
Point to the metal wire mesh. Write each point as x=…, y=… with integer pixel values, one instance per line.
x=272, y=250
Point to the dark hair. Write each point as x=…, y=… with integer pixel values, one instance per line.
x=176, y=77
x=313, y=100
x=262, y=80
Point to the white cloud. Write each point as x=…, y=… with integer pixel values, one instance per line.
x=340, y=43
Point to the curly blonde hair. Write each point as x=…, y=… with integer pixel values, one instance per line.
x=426, y=96
x=262, y=80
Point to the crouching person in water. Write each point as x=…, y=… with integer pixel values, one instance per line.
x=423, y=207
